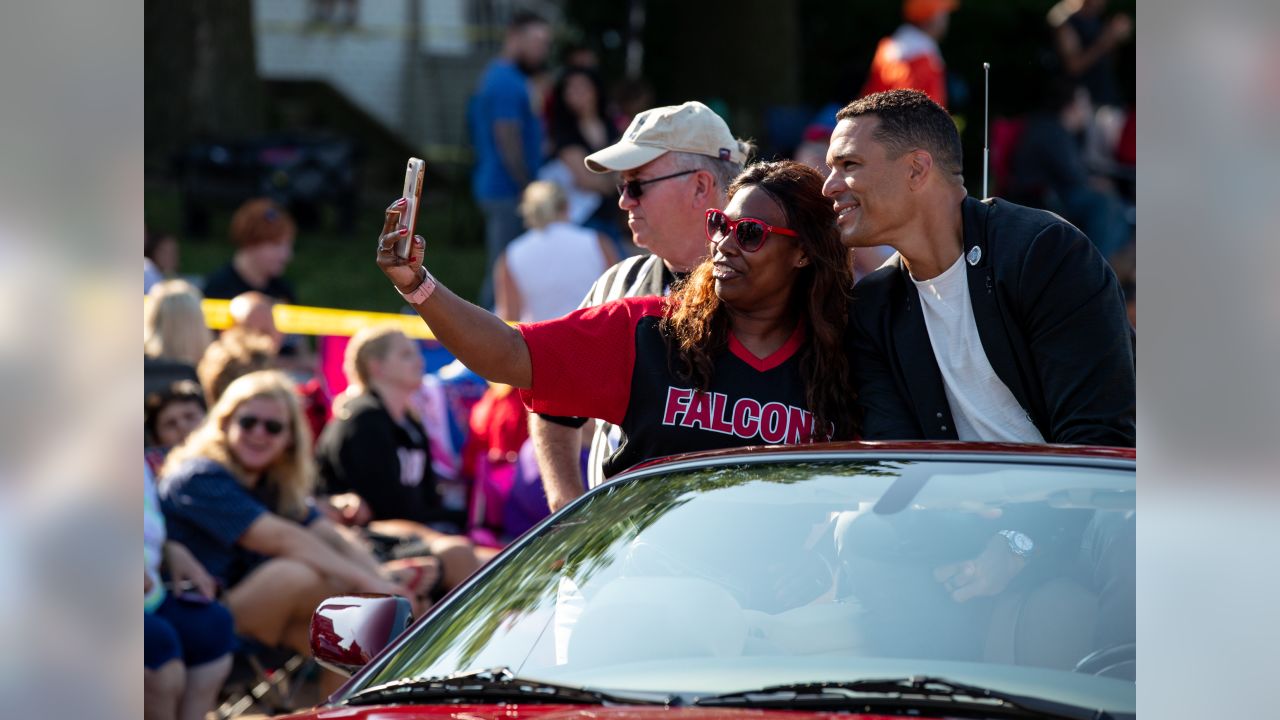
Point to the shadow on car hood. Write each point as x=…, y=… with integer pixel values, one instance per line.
x=563, y=712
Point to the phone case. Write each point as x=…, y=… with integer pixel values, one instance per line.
x=413, y=174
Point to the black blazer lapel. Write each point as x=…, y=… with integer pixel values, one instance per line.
x=921, y=377
x=986, y=301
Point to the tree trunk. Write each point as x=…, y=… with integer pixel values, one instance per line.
x=742, y=52
x=169, y=60
x=201, y=75
x=227, y=96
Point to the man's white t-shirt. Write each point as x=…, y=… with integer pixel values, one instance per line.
x=981, y=404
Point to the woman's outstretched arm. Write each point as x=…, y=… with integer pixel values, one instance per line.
x=477, y=337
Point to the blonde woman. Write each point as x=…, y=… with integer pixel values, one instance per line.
x=173, y=324
x=237, y=493
x=174, y=336
x=546, y=272
x=375, y=454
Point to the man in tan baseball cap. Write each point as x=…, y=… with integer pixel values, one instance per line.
x=674, y=163
x=688, y=128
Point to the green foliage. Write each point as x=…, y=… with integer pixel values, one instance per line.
x=335, y=269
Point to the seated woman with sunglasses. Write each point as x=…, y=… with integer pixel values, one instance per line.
x=237, y=493
x=748, y=351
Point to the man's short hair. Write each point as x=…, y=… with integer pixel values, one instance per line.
x=522, y=19
x=909, y=120
x=235, y=353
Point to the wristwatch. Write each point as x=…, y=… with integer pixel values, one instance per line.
x=424, y=289
x=1019, y=543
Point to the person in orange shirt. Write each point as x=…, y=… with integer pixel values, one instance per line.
x=910, y=59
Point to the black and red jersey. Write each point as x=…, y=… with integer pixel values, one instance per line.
x=612, y=362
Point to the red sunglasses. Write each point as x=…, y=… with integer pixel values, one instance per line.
x=749, y=232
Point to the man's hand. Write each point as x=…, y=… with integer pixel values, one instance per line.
x=184, y=567
x=987, y=574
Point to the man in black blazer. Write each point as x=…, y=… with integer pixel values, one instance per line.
x=993, y=321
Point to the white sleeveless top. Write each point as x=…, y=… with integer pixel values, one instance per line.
x=554, y=268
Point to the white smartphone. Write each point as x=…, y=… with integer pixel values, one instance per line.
x=413, y=174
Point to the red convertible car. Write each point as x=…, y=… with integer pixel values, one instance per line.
x=935, y=580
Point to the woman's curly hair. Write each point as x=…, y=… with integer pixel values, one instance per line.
x=698, y=323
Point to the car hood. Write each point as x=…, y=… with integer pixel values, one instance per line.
x=562, y=712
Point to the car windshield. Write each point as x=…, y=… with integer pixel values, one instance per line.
x=1016, y=575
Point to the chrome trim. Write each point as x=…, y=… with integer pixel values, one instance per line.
x=1103, y=463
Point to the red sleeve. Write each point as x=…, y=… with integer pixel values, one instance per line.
x=929, y=77
x=582, y=362
x=879, y=67
x=925, y=73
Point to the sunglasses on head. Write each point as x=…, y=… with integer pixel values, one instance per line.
x=749, y=232
x=635, y=188
x=248, y=422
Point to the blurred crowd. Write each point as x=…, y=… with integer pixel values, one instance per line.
x=1074, y=154
x=281, y=469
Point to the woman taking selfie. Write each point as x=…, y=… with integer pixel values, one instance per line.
x=748, y=351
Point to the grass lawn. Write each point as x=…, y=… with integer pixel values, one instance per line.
x=335, y=269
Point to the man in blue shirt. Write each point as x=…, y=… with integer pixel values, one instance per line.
x=507, y=134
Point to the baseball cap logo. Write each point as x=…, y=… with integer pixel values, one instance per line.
x=637, y=127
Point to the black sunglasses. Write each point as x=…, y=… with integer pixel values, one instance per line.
x=749, y=232
x=248, y=422
x=635, y=188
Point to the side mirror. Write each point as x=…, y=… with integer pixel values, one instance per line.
x=347, y=631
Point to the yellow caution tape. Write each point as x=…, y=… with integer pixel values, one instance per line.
x=304, y=320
